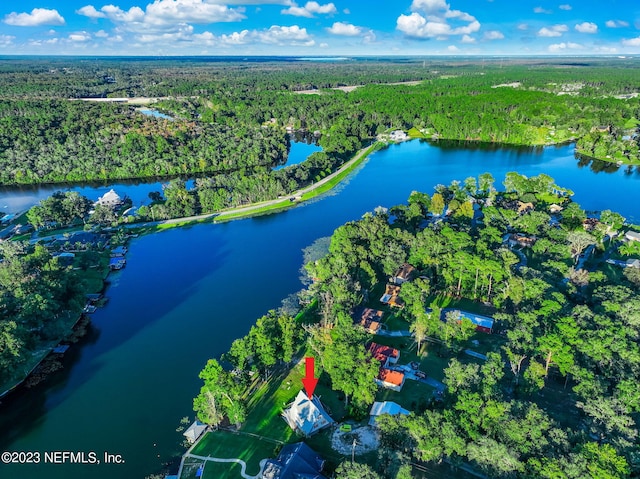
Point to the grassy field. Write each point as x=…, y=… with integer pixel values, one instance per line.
x=229, y=445
x=415, y=133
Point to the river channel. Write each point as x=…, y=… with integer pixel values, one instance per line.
x=187, y=293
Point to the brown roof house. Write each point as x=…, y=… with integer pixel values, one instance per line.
x=390, y=296
x=521, y=240
x=403, y=274
x=370, y=319
x=385, y=354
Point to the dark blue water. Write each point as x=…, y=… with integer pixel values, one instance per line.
x=187, y=293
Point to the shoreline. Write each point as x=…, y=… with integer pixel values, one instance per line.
x=435, y=138
x=265, y=207
x=254, y=209
x=41, y=356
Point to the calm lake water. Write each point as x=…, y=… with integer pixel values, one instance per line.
x=16, y=199
x=299, y=152
x=187, y=293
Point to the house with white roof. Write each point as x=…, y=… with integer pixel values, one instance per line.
x=306, y=416
x=110, y=198
x=194, y=432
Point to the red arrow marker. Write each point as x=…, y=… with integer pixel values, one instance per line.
x=309, y=381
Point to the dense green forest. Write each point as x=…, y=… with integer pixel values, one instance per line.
x=40, y=299
x=556, y=396
x=229, y=117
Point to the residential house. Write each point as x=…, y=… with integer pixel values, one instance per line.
x=398, y=135
x=521, y=240
x=370, y=319
x=632, y=236
x=590, y=224
x=633, y=263
x=517, y=205
x=525, y=207
x=117, y=263
x=110, y=198
x=194, y=432
x=390, y=379
x=555, y=209
x=390, y=296
x=118, y=252
x=483, y=323
x=385, y=354
x=295, y=461
x=403, y=274
x=386, y=407
x=306, y=416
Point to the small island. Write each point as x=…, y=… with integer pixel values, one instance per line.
x=469, y=332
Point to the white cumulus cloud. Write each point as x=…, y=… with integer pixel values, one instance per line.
x=90, y=11
x=293, y=35
x=553, y=31
x=493, y=35
x=431, y=19
x=541, y=10
x=587, y=27
x=310, y=9
x=468, y=39
x=163, y=12
x=565, y=6
x=37, y=17
x=80, y=37
x=344, y=29
x=631, y=42
x=166, y=15
x=560, y=47
x=616, y=24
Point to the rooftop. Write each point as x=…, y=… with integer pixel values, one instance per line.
x=382, y=352
x=306, y=415
x=295, y=461
x=477, y=319
x=390, y=376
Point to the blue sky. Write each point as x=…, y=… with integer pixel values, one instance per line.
x=338, y=27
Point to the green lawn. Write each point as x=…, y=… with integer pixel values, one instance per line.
x=396, y=323
x=264, y=419
x=415, y=133
x=229, y=445
x=414, y=395
x=268, y=401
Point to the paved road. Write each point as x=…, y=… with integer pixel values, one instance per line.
x=248, y=208
x=303, y=191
